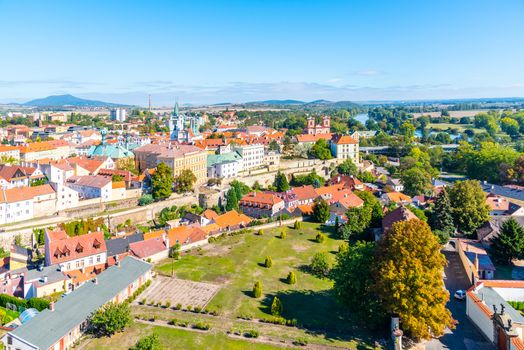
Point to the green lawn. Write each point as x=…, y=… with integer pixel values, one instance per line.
x=7, y=316
x=235, y=263
x=175, y=339
x=458, y=127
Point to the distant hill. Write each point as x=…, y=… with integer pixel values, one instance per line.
x=317, y=104
x=276, y=102
x=67, y=100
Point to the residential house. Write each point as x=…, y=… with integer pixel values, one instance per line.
x=74, y=253
x=499, y=205
x=92, y=186
x=345, y=147
x=261, y=204
x=231, y=220
x=252, y=155
x=305, y=194
x=476, y=260
x=153, y=249
x=65, y=322
x=224, y=165
x=396, y=197
x=348, y=181
x=395, y=184
x=118, y=248
x=487, y=232
x=8, y=152
x=12, y=176
x=400, y=214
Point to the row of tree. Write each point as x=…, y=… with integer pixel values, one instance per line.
x=163, y=182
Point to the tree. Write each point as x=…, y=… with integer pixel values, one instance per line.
x=273, y=146
x=110, y=319
x=410, y=284
x=442, y=219
x=320, y=264
x=257, y=289
x=416, y=181
x=281, y=184
x=320, y=238
x=321, y=150
x=276, y=307
x=291, y=278
x=185, y=181
x=320, y=211
x=469, y=208
x=347, y=168
x=117, y=178
x=150, y=342
x=231, y=200
x=359, y=219
x=145, y=200
x=509, y=244
x=372, y=202
x=354, y=283
x=268, y=262
x=162, y=181
x=408, y=131
x=174, y=253
x=241, y=188
x=297, y=225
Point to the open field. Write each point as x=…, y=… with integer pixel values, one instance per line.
x=176, y=339
x=236, y=263
x=458, y=127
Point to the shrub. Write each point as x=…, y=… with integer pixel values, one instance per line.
x=276, y=307
x=38, y=303
x=251, y=334
x=257, y=290
x=158, y=304
x=189, y=307
x=183, y=324
x=178, y=306
x=151, y=342
x=173, y=322
x=213, y=313
x=145, y=200
x=197, y=309
x=143, y=302
x=168, y=304
x=269, y=262
x=202, y=326
x=110, y=319
x=297, y=225
x=300, y=342
x=283, y=234
x=320, y=238
x=320, y=264
x=291, y=278
x=259, y=232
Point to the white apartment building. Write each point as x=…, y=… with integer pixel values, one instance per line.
x=92, y=186
x=252, y=155
x=345, y=147
x=119, y=115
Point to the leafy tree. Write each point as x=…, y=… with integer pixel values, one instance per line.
x=310, y=179
x=297, y=225
x=241, y=189
x=257, y=289
x=408, y=131
x=359, y=219
x=256, y=186
x=354, y=283
x=320, y=264
x=145, y=200
x=442, y=218
x=320, y=238
x=110, y=319
x=268, y=262
x=281, y=184
x=273, y=146
x=372, y=202
x=150, y=342
x=347, y=168
x=509, y=244
x=185, y=181
x=416, y=181
x=276, y=307
x=231, y=199
x=321, y=150
x=162, y=181
x=469, y=208
x=320, y=211
x=510, y=126
x=410, y=285
x=283, y=234
x=174, y=253
x=291, y=278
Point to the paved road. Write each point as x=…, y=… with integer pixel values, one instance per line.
x=465, y=336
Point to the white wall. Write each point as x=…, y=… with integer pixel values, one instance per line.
x=481, y=320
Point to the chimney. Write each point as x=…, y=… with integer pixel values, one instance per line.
x=52, y=306
x=95, y=280
x=476, y=262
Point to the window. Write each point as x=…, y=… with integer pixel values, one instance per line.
x=98, y=258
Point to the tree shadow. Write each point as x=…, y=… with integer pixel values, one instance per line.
x=261, y=264
x=248, y=293
x=329, y=231
x=320, y=313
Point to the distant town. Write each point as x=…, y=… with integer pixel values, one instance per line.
x=299, y=225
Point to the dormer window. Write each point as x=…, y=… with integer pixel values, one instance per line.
x=58, y=253
x=79, y=248
x=96, y=244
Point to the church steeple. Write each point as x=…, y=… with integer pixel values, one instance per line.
x=175, y=111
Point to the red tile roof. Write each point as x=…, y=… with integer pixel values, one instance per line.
x=64, y=248
x=232, y=219
x=306, y=192
x=313, y=138
x=399, y=214
x=147, y=248
x=209, y=214
x=344, y=140
x=260, y=199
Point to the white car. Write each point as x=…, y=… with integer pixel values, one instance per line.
x=460, y=294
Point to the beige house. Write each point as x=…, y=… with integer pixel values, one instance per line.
x=177, y=157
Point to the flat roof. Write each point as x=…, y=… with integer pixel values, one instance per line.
x=48, y=327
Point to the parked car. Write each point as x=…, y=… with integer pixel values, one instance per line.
x=460, y=294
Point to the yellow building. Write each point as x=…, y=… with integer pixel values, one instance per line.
x=177, y=157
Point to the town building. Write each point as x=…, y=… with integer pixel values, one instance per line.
x=117, y=152
x=74, y=253
x=224, y=165
x=177, y=157
x=65, y=322
x=92, y=186
x=184, y=128
x=118, y=114
x=345, y=147
x=8, y=152
x=261, y=204
x=252, y=155
x=314, y=129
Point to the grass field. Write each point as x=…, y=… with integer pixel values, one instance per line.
x=174, y=339
x=236, y=263
x=459, y=127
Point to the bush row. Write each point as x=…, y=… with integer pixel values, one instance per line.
x=188, y=308
x=37, y=303
x=138, y=291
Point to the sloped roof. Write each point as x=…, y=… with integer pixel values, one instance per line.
x=305, y=192
x=313, y=138
x=399, y=214
x=231, y=218
x=344, y=140
x=398, y=197
x=209, y=214
x=230, y=157
x=95, y=181
x=260, y=198
x=147, y=248
x=117, y=246
x=67, y=248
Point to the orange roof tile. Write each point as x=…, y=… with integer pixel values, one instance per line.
x=313, y=138
x=154, y=234
x=65, y=248
x=344, y=140
x=232, y=218
x=209, y=214
x=398, y=197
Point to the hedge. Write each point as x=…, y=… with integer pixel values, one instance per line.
x=37, y=303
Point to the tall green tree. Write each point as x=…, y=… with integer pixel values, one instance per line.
x=509, y=244
x=441, y=218
x=469, y=208
x=241, y=189
x=416, y=181
x=321, y=150
x=354, y=282
x=162, y=181
x=320, y=211
x=150, y=342
x=110, y=319
x=358, y=222
x=408, y=273
x=281, y=184
x=185, y=181
x=231, y=200
x=347, y=168
x=376, y=208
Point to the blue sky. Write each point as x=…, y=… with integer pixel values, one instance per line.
x=217, y=51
